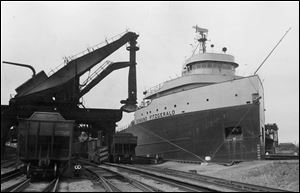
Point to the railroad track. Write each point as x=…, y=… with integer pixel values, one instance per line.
x=15, y=186
x=113, y=181
x=9, y=163
x=158, y=183
x=169, y=182
x=52, y=186
x=281, y=157
x=5, y=162
x=215, y=184
x=28, y=185
x=12, y=174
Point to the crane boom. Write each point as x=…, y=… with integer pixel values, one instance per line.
x=79, y=66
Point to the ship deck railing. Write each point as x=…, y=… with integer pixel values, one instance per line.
x=66, y=60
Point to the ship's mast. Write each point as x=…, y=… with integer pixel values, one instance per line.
x=202, y=39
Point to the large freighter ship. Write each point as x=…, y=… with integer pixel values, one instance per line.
x=208, y=112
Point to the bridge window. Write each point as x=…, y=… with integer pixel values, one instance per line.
x=211, y=64
x=227, y=66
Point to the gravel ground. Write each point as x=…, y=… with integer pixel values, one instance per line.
x=78, y=185
x=275, y=174
x=36, y=187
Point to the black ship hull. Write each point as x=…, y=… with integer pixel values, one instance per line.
x=223, y=134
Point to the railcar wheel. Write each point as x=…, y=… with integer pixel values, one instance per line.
x=28, y=175
x=131, y=160
x=55, y=170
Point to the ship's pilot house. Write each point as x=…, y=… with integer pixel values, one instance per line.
x=210, y=63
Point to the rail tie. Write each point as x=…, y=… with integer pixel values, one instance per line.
x=11, y=174
x=136, y=183
x=171, y=182
x=24, y=184
x=52, y=186
x=108, y=186
x=208, y=181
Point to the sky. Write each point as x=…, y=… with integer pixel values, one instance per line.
x=42, y=33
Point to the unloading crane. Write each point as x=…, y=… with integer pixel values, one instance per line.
x=63, y=85
x=62, y=90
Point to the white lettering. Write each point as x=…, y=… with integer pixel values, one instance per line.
x=156, y=116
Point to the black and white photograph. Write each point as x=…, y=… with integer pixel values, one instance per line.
x=149, y=96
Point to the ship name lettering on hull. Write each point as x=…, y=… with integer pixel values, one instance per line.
x=162, y=114
x=156, y=116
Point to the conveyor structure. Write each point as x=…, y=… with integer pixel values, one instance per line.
x=61, y=91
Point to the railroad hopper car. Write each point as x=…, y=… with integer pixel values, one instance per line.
x=45, y=143
x=123, y=148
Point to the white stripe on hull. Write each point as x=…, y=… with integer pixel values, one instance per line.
x=225, y=94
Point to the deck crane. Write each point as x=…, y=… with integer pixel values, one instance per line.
x=62, y=91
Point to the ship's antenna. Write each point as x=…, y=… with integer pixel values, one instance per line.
x=202, y=40
x=272, y=50
x=195, y=50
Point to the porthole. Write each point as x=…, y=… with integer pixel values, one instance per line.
x=165, y=108
x=174, y=106
x=207, y=99
x=236, y=95
x=187, y=103
x=156, y=109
